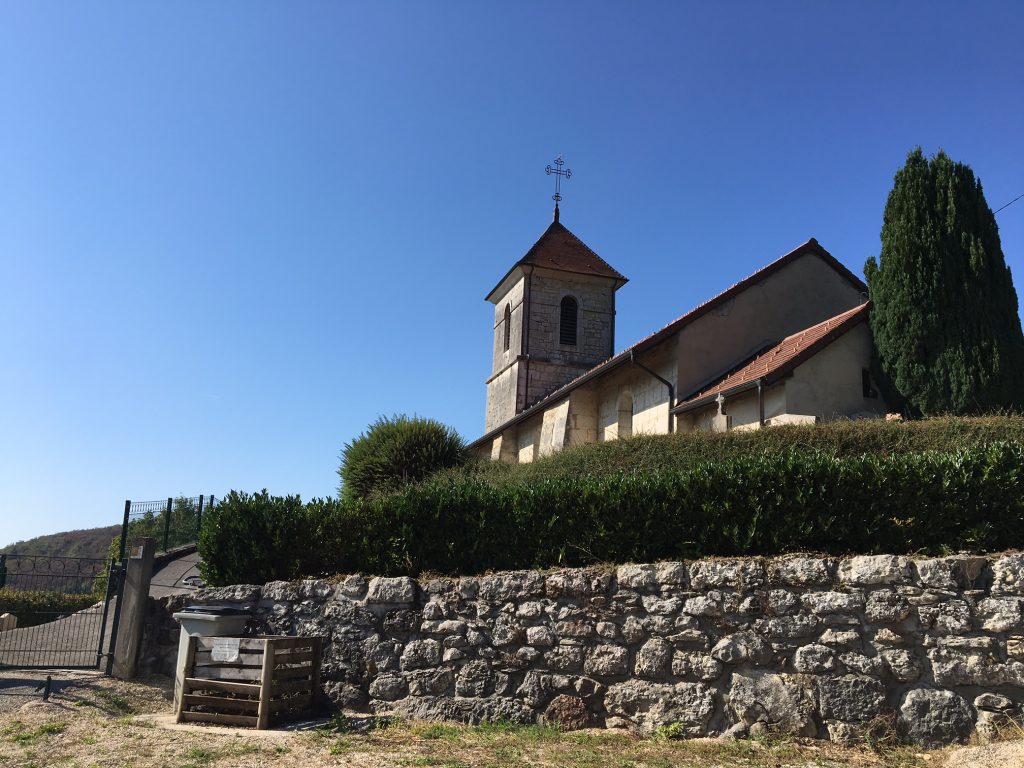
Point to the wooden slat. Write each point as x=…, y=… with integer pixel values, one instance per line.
x=252, y=644
x=263, y=718
x=293, y=658
x=318, y=648
x=290, y=673
x=220, y=702
x=292, y=702
x=251, y=674
x=190, y=652
x=244, y=657
x=253, y=660
x=223, y=685
x=216, y=717
x=282, y=643
x=292, y=687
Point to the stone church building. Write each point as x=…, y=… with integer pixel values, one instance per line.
x=789, y=344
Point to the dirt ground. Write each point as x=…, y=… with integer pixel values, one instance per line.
x=92, y=721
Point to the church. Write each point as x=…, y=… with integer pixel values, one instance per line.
x=790, y=344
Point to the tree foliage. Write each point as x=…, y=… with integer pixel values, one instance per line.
x=947, y=334
x=396, y=451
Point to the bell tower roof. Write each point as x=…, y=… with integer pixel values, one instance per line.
x=561, y=250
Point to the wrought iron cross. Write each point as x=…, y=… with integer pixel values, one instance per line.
x=559, y=173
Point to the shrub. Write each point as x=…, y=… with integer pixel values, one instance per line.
x=33, y=607
x=396, y=451
x=250, y=538
x=757, y=505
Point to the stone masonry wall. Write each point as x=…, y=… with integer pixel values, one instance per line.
x=813, y=646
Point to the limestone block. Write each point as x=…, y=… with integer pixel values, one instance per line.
x=510, y=586
x=565, y=658
x=850, y=698
x=637, y=576
x=352, y=587
x=820, y=603
x=398, y=590
x=577, y=583
x=735, y=574
x=873, y=666
x=650, y=705
x=950, y=618
x=475, y=679
x=606, y=661
x=654, y=659
x=420, y=653
x=1000, y=614
x=661, y=607
x=1008, y=575
x=787, y=627
x=699, y=666
x=801, y=571
x=875, y=569
x=569, y=713
x=782, y=602
x=765, y=697
x=429, y=682
x=902, y=664
x=935, y=718
x=540, y=636
x=703, y=605
x=316, y=589
x=886, y=606
x=815, y=659
x=741, y=647
x=670, y=574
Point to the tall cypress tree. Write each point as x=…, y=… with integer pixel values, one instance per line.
x=947, y=335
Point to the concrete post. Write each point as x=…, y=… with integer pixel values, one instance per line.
x=133, y=610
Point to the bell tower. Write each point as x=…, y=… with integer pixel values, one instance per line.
x=554, y=319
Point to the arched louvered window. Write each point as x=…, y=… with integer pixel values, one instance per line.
x=568, y=321
x=508, y=326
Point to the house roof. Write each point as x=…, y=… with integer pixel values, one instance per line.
x=810, y=247
x=778, y=360
x=560, y=249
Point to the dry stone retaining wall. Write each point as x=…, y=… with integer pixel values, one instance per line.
x=806, y=645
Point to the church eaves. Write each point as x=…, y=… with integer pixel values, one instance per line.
x=810, y=247
x=561, y=250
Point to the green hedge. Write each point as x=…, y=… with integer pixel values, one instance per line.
x=34, y=608
x=683, y=451
x=765, y=505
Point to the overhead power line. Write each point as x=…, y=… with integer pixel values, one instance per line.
x=1018, y=197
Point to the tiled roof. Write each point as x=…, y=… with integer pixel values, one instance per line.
x=810, y=247
x=558, y=248
x=778, y=360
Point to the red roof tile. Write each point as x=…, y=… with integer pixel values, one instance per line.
x=560, y=249
x=780, y=359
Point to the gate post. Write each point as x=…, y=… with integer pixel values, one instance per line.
x=133, y=610
x=167, y=523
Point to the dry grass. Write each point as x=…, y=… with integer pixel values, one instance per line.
x=106, y=723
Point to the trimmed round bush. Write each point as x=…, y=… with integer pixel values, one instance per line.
x=397, y=451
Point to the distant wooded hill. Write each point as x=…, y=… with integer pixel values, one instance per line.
x=89, y=542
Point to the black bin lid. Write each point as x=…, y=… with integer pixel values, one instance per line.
x=217, y=610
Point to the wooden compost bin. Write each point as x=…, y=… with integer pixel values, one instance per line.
x=268, y=678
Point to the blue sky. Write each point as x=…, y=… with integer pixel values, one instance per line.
x=232, y=234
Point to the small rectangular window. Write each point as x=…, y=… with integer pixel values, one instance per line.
x=568, y=321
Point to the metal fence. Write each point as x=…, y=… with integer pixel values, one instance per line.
x=172, y=522
x=56, y=608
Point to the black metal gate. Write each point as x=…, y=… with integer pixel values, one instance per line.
x=61, y=611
